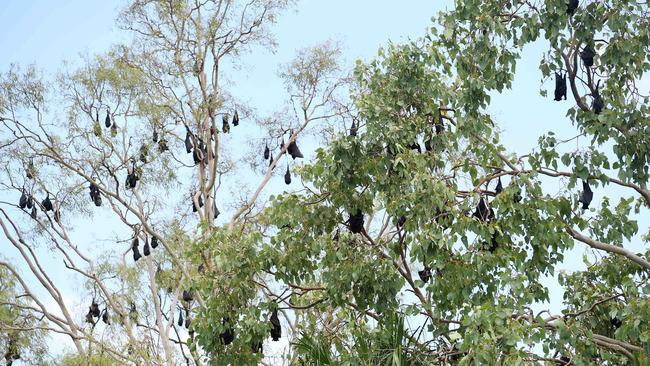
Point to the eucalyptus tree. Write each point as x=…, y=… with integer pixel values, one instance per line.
x=132, y=150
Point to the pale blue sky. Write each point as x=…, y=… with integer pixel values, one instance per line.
x=34, y=31
x=47, y=32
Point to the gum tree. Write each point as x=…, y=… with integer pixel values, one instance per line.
x=131, y=150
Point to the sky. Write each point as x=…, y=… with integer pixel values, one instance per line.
x=40, y=32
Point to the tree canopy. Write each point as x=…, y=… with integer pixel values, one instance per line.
x=415, y=236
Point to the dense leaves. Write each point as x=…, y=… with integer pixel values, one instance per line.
x=461, y=264
x=384, y=253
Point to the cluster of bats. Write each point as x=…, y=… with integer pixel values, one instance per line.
x=146, y=250
x=187, y=298
x=196, y=146
x=438, y=128
x=26, y=200
x=293, y=151
x=483, y=213
x=195, y=208
x=587, y=56
x=193, y=144
x=97, y=129
x=355, y=220
x=228, y=335
x=95, y=313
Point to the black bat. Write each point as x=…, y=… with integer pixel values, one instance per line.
x=353, y=129
x=276, y=329
x=188, y=142
x=356, y=222
x=23, y=200
x=287, y=176
x=425, y=274
x=47, y=204
x=235, y=119
x=225, y=126
x=587, y=56
x=560, y=87
x=571, y=7
x=586, y=196
x=107, y=120
x=598, y=103
x=482, y=212
x=294, y=151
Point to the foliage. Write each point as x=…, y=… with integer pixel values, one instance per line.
x=116, y=127
x=458, y=236
x=419, y=204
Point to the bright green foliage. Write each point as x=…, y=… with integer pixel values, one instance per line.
x=386, y=345
x=232, y=298
x=486, y=275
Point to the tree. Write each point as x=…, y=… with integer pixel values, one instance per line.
x=419, y=209
x=416, y=239
x=134, y=146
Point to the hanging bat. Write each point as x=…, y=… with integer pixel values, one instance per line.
x=225, y=127
x=356, y=222
x=105, y=317
x=598, y=103
x=353, y=129
x=276, y=329
x=287, y=176
x=228, y=335
x=425, y=274
x=187, y=295
x=94, y=309
x=22, y=203
x=401, y=221
x=180, y=318
x=571, y=7
x=107, y=120
x=47, y=204
x=146, y=250
x=482, y=212
x=235, y=119
x=267, y=153
x=499, y=187
x=586, y=196
x=188, y=142
x=560, y=87
x=294, y=151
x=587, y=56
